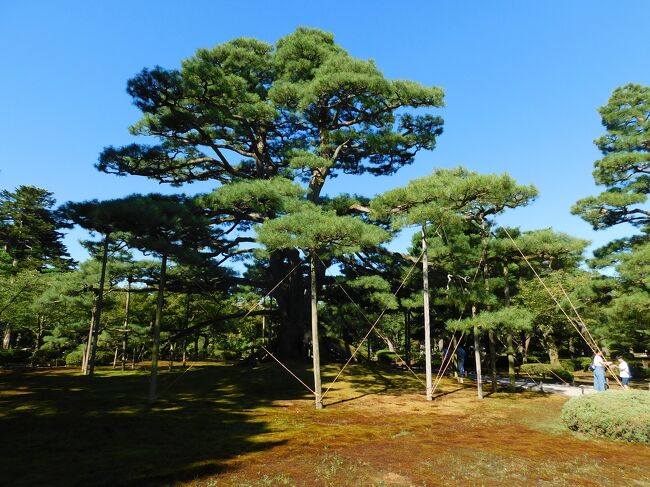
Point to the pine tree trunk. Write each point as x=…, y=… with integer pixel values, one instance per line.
x=477, y=357
x=526, y=345
x=187, y=325
x=156, y=333
x=427, y=321
x=117, y=349
x=509, y=340
x=6, y=339
x=86, y=354
x=127, y=310
x=293, y=304
x=407, y=337
x=493, y=359
x=314, y=331
x=511, y=361
x=98, y=312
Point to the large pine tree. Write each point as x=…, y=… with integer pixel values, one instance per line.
x=302, y=109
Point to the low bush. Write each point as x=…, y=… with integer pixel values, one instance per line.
x=74, y=359
x=386, y=357
x=12, y=356
x=546, y=370
x=568, y=364
x=637, y=369
x=619, y=415
x=582, y=363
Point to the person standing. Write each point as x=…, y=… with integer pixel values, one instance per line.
x=598, y=366
x=624, y=370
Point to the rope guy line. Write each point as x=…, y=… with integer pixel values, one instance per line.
x=376, y=330
x=594, y=347
x=373, y=326
x=584, y=325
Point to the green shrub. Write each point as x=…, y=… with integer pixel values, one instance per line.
x=14, y=356
x=619, y=415
x=102, y=357
x=637, y=369
x=386, y=356
x=546, y=370
x=46, y=357
x=582, y=363
x=568, y=364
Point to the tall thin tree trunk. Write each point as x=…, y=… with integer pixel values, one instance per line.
x=509, y=341
x=427, y=320
x=407, y=337
x=98, y=312
x=493, y=359
x=477, y=357
x=511, y=361
x=526, y=344
x=117, y=350
x=314, y=330
x=8, y=335
x=187, y=325
x=86, y=354
x=127, y=310
x=156, y=332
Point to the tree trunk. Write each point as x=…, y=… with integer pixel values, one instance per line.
x=187, y=325
x=477, y=357
x=314, y=330
x=427, y=320
x=98, y=312
x=509, y=341
x=511, y=361
x=156, y=332
x=293, y=304
x=526, y=345
x=407, y=337
x=117, y=349
x=551, y=347
x=6, y=339
x=86, y=354
x=127, y=309
x=493, y=359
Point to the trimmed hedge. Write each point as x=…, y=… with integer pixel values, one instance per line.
x=73, y=359
x=386, y=357
x=545, y=370
x=618, y=415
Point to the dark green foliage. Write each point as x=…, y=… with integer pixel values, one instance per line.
x=546, y=370
x=14, y=356
x=30, y=231
x=619, y=415
x=582, y=363
x=568, y=364
x=73, y=359
x=624, y=168
x=386, y=357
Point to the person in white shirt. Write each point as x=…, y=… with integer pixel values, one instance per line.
x=624, y=369
x=599, y=364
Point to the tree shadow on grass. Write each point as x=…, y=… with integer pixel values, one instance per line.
x=59, y=428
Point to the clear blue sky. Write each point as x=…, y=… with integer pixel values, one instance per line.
x=523, y=81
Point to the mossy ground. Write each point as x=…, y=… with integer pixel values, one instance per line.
x=221, y=425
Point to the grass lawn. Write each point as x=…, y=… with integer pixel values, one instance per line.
x=221, y=425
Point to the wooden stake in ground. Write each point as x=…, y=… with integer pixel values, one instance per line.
x=427, y=321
